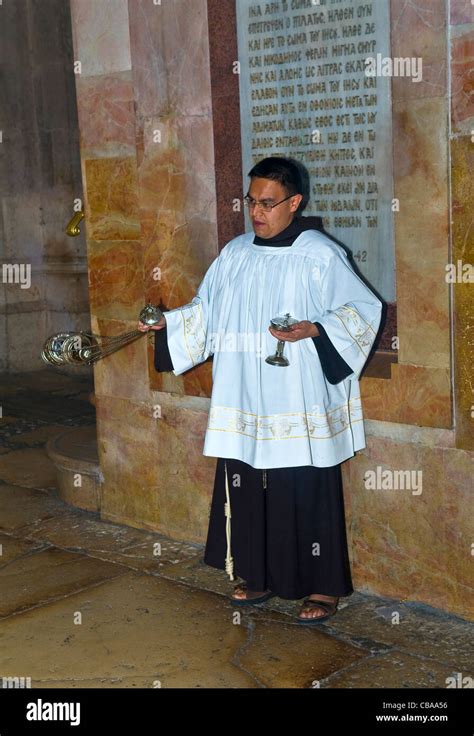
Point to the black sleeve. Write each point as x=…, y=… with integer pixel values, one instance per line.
x=162, y=359
x=334, y=367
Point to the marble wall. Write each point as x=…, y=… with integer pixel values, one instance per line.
x=147, y=154
x=40, y=178
x=155, y=127
x=462, y=198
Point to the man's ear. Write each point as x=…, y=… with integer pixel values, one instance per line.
x=295, y=202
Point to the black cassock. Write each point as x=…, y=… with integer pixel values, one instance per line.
x=288, y=524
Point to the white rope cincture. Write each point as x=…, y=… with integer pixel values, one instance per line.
x=229, y=562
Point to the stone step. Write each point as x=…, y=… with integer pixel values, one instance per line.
x=75, y=457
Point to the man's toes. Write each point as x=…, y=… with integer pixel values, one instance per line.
x=313, y=612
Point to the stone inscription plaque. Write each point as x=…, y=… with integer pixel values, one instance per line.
x=305, y=92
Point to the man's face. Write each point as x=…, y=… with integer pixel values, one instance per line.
x=268, y=224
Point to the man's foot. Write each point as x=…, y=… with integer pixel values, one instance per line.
x=242, y=595
x=318, y=607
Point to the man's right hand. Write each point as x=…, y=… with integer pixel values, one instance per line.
x=144, y=328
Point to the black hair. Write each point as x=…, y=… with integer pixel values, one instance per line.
x=283, y=170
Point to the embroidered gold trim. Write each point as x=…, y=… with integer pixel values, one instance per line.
x=351, y=309
x=291, y=413
x=294, y=437
x=191, y=332
x=359, y=331
x=291, y=425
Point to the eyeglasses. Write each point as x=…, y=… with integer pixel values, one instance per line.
x=266, y=206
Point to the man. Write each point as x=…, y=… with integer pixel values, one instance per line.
x=280, y=433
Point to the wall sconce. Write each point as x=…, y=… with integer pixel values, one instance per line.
x=73, y=226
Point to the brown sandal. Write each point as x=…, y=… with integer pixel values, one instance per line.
x=250, y=601
x=309, y=603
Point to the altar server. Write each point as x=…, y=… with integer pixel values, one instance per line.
x=280, y=433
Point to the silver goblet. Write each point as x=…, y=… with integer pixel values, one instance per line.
x=281, y=323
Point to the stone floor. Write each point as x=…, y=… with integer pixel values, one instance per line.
x=87, y=603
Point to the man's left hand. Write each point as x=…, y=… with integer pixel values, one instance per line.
x=298, y=331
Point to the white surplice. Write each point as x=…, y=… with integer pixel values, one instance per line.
x=265, y=415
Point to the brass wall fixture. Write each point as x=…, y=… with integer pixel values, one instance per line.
x=73, y=226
